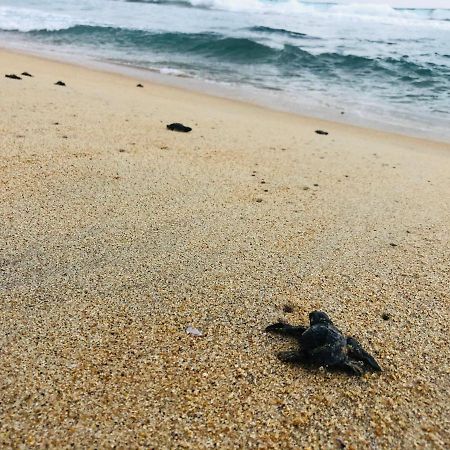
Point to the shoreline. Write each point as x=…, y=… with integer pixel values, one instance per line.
x=119, y=234
x=246, y=94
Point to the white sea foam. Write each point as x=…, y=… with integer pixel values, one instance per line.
x=19, y=17
x=27, y=19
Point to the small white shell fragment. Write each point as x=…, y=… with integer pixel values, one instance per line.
x=193, y=331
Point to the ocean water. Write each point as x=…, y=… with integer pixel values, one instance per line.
x=366, y=64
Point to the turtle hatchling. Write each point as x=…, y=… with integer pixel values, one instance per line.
x=322, y=344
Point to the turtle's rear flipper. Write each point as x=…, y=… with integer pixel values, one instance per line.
x=352, y=367
x=286, y=329
x=292, y=357
x=356, y=351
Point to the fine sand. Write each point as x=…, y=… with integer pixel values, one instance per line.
x=116, y=234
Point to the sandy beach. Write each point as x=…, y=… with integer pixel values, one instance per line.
x=117, y=234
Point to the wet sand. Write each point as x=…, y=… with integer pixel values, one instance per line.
x=117, y=234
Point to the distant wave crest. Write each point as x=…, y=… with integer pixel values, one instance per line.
x=368, y=10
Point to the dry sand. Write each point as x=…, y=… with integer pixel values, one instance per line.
x=116, y=234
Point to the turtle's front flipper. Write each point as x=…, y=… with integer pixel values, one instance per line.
x=286, y=329
x=356, y=351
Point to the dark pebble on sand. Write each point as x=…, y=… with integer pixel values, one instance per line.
x=316, y=185
x=55, y=123
x=324, y=133
x=386, y=316
x=288, y=309
x=179, y=127
x=259, y=200
x=26, y=74
x=263, y=182
x=13, y=76
x=393, y=245
x=60, y=83
x=306, y=188
x=139, y=85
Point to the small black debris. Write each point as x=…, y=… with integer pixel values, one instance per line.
x=60, y=83
x=259, y=200
x=288, y=309
x=55, y=123
x=393, y=245
x=13, y=76
x=316, y=185
x=139, y=85
x=26, y=74
x=322, y=132
x=179, y=127
x=386, y=316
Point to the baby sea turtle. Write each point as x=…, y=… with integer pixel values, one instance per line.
x=179, y=127
x=322, y=344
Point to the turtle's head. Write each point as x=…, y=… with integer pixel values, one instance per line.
x=316, y=317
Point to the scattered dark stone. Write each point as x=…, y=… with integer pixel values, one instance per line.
x=26, y=74
x=408, y=231
x=64, y=137
x=306, y=188
x=259, y=200
x=266, y=190
x=393, y=245
x=316, y=185
x=386, y=316
x=288, y=309
x=324, y=133
x=253, y=174
x=324, y=345
x=179, y=127
x=139, y=85
x=263, y=182
x=342, y=112
x=121, y=150
x=13, y=76
x=60, y=83
x=55, y=123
